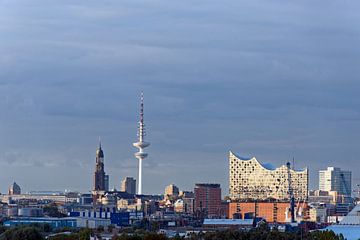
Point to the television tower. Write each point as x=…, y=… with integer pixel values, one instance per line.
x=141, y=144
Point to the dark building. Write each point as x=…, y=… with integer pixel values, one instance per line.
x=99, y=174
x=14, y=189
x=207, y=200
x=128, y=184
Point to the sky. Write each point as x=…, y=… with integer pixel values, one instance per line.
x=273, y=79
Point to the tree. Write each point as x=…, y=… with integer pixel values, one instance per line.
x=110, y=228
x=154, y=236
x=326, y=235
x=100, y=229
x=84, y=234
x=73, y=236
x=2, y=229
x=53, y=211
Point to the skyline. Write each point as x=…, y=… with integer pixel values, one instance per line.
x=271, y=80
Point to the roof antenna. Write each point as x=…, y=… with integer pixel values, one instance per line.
x=293, y=164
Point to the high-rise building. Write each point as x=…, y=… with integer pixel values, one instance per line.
x=99, y=174
x=335, y=179
x=250, y=180
x=14, y=189
x=171, y=191
x=128, y=184
x=141, y=144
x=207, y=199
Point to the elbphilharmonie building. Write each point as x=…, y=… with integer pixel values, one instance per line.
x=251, y=180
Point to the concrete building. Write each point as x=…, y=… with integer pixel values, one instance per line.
x=243, y=224
x=330, y=197
x=14, y=189
x=251, y=180
x=186, y=194
x=318, y=214
x=53, y=222
x=335, y=179
x=171, y=191
x=61, y=199
x=207, y=199
x=128, y=184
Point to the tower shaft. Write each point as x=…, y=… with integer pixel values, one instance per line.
x=140, y=177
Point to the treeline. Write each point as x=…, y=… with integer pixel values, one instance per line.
x=37, y=233
x=262, y=233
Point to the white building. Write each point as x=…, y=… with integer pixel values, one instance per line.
x=335, y=179
x=250, y=179
x=318, y=214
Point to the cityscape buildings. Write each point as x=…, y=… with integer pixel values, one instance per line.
x=335, y=179
x=128, y=184
x=248, y=179
x=256, y=192
x=141, y=144
x=207, y=199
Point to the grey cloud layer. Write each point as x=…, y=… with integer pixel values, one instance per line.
x=274, y=79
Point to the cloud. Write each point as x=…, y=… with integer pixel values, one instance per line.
x=271, y=79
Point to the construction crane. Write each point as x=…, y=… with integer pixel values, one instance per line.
x=291, y=194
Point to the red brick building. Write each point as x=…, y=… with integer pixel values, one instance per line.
x=208, y=200
x=271, y=211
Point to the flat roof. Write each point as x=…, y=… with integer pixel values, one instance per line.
x=228, y=221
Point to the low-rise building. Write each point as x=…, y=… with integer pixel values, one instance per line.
x=53, y=222
x=270, y=211
x=318, y=214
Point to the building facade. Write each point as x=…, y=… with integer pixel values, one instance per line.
x=207, y=199
x=171, y=191
x=128, y=184
x=271, y=211
x=99, y=174
x=250, y=180
x=335, y=179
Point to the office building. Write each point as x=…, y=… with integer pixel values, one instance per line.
x=335, y=179
x=251, y=180
x=128, y=184
x=171, y=191
x=207, y=200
